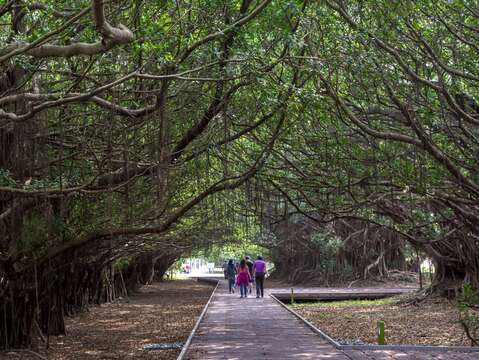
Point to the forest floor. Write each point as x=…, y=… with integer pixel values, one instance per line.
x=431, y=322
x=159, y=313
x=434, y=321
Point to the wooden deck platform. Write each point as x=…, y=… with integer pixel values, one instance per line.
x=251, y=328
x=301, y=293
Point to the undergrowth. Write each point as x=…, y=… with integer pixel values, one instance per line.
x=349, y=303
x=468, y=303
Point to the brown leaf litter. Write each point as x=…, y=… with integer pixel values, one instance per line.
x=161, y=312
x=432, y=322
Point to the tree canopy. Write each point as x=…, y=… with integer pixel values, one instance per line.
x=135, y=132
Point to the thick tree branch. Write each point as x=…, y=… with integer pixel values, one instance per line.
x=111, y=36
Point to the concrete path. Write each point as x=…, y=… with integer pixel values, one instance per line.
x=251, y=328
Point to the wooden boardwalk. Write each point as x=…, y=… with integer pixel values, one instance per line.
x=251, y=328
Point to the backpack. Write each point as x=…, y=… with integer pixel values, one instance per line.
x=230, y=270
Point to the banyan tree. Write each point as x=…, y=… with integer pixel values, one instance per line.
x=121, y=123
x=134, y=132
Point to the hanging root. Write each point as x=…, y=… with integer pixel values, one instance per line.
x=39, y=331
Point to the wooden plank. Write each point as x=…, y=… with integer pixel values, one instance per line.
x=252, y=328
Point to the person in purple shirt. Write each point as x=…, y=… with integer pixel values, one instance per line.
x=259, y=269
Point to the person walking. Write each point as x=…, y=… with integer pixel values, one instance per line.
x=225, y=268
x=259, y=269
x=250, y=265
x=231, y=274
x=242, y=279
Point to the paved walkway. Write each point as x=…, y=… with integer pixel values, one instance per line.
x=251, y=328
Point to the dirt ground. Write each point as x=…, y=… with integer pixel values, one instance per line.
x=432, y=322
x=162, y=312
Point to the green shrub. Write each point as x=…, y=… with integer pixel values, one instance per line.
x=468, y=303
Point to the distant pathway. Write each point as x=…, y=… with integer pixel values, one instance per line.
x=237, y=329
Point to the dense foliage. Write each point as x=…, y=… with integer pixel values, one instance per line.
x=341, y=136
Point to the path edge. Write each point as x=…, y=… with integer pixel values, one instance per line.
x=186, y=347
x=440, y=349
x=309, y=324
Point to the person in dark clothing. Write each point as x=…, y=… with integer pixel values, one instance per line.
x=225, y=267
x=231, y=273
x=259, y=269
x=250, y=265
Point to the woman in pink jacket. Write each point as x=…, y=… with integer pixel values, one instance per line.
x=242, y=279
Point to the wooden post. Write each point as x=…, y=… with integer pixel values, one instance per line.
x=292, y=296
